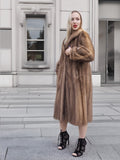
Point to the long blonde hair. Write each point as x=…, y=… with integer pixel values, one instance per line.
x=69, y=29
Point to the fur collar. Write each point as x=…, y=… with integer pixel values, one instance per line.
x=72, y=36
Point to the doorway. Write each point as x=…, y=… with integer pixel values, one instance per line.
x=109, y=51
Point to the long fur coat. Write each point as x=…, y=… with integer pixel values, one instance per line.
x=73, y=102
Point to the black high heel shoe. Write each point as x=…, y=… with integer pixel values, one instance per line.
x=80, y=147
x=63, y=138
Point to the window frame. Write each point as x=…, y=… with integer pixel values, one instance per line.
x=48, y=21
x=45, y=39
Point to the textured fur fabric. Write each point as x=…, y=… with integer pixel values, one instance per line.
x=73, y=102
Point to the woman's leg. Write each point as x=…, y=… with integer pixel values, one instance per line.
x=63, y=126
x=63, y=136
x=81, y=141
x=82, y=131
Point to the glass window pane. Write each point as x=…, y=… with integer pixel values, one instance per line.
x=109, y=49
x=35, y=45
x=117, y=51
x=35, y=34
x=113, y=63
x=110, y=63
x=35, y=21
x=35, y=56
x=102, y=49
x=35, y=37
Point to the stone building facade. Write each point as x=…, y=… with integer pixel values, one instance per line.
x=31, y=32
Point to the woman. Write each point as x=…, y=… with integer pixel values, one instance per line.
x=73, y=101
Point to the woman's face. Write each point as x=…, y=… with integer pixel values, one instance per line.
x=75, y=21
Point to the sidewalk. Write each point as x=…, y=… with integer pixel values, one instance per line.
x=103, y=135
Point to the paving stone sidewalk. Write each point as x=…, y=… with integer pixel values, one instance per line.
x=44, y=148
x=103, y=135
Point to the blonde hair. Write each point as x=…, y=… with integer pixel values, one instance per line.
x=69, y=29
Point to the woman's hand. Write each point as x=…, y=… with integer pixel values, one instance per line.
x=68, y=51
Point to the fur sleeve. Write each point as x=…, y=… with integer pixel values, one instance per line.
x=84, y=52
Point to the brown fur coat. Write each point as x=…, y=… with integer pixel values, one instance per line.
x=73, y=101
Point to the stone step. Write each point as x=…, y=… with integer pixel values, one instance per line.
x=5, y=91
x=26, y=120
x=27, y=101
x=44, y=104
x=52, y=129
x=17, y=106
x=39, y=93
x=40, y=96
x=25, y=112
x=34, y=121
x=48, y=109
x=43, y=120
x=33, y=107
x=30, y=110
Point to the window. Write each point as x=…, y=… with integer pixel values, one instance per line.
x=36, y=36
x=36, y=43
